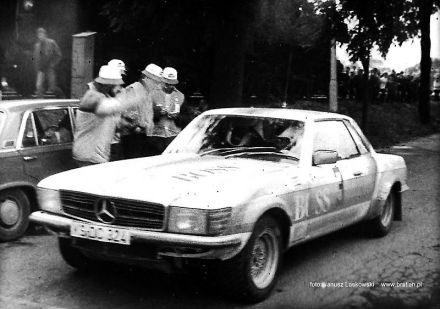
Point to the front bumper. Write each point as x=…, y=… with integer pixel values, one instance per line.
x=212, y=247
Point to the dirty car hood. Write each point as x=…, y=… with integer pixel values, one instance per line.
x=176, y=179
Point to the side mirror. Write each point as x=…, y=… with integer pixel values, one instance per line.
x=325, y=157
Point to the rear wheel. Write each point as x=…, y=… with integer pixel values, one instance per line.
x=252, y=274
x=381, y=225
x=14, y=214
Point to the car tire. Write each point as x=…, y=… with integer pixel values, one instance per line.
x=14, y=214
x=381, y=225
x=251, y=275
x=73, y=256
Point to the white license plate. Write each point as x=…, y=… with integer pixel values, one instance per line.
x=100, y=233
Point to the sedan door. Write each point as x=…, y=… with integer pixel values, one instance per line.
x=46, y=144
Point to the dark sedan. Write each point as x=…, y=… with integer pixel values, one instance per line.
x=35, y=142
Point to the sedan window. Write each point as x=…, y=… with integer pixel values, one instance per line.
x=333, y=135
x=29, y=136
x=53, y=126
x=48, y=127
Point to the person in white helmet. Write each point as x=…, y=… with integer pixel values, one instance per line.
x=134, y=140
x=167, y=103
x=119, y=64
x=97, y=118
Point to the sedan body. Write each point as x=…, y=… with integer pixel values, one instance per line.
x=35, y=142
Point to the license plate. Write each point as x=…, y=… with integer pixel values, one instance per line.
x=100, y=233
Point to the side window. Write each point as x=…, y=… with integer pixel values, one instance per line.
x=29, y=136
x=333, y=135
x=53, y=126
x=363, y=148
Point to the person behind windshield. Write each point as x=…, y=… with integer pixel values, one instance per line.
x=250, y=135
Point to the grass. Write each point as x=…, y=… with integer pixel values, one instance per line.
x=388, y=124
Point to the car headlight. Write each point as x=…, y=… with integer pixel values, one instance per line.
x=198, y=221
x=49, y=200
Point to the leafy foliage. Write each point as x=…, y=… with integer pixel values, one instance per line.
x=293, y=23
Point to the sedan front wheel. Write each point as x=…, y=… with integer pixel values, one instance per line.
x=14, y=214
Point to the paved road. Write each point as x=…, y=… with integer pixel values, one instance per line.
x=33, y=275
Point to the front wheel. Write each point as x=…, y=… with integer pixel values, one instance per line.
x=252, y=274
x=14, y=214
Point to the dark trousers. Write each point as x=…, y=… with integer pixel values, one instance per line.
x=139, y=145
x=156, y=144
x=134, y=145
x=83, y=163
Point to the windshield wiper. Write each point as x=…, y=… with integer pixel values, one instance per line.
x=263, y=153
x=232, y=150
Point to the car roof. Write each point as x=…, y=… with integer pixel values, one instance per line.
x=22, y=105
x=284, y=113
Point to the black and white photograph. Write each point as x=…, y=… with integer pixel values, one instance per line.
x=219, y=154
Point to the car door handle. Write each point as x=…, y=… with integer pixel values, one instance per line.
x=356, y=174
x=29, y=158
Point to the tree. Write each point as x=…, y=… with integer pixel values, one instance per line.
x=288, y=23
x=425, y=9
x=376, y=23
x=214, y=39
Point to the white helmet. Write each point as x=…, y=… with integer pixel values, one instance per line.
x=117, y=64
x=109, y=75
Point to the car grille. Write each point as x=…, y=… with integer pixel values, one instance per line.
x=129, y=212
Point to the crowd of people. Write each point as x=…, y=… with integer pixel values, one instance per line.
x=384, y=87
x=144, y=113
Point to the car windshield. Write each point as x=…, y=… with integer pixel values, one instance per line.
x=244, y=136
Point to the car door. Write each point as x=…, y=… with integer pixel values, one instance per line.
x=361, y=170
x=46, y=142
x=326, y=187
x=356, y=167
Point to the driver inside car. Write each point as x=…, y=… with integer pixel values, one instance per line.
x=248, y=135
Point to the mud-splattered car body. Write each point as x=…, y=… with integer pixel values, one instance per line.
x=237, y=187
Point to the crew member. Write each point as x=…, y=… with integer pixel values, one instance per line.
x=140, y=117
x=98, y=117
x=167, y=103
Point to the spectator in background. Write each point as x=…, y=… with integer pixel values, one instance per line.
x=436, y=86
x=358, y=81
x=167, y=103
x=351, y=88
x=392, y=87
x=374, y=84
x=383, y=87
x=47, y=55
x=343, y=79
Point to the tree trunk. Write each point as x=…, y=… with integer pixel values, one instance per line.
x=333, y=86
x=365, y=93
x=425, y=10
x=234, y=33
x=286, y=84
